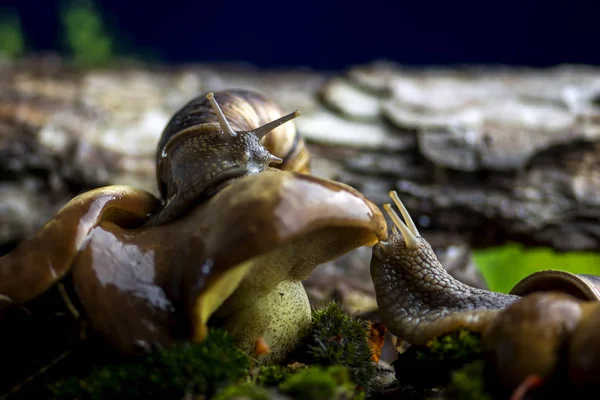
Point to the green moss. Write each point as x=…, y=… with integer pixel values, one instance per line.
x=336, y=338
x=468, y=383
x=244, y=391
x=272, y=375
x=310, y=383
x=318, y=383
x=431, y=366
x=12, y=44
x=461, y=346
x=181, y=369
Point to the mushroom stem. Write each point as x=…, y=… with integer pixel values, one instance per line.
x=280, y=317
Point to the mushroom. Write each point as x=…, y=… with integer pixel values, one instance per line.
x=239, y=258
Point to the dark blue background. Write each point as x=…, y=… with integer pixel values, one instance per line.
x=336, y=34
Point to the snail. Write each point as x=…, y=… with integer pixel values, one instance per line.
x=522, y=331
x=220, y=137
x=147, y=272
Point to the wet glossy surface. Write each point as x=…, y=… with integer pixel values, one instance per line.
x=41, y=260
x=137, y=284
x=339, y=202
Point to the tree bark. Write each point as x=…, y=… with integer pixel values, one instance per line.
x=480, y=156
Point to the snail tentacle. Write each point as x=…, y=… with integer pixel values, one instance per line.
x=276, y=160
x=223, y=123
x=418, y=299
x=262, y=131
x=407, y=218
x=409, y=237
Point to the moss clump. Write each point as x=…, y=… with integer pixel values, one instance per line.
x=244, y=391
x=431, y=366
x=318, y=383
x=273, y=375
x=335, y=338
x=468, y=383
x=182, y=369
x=307, y=383
x=457, y=346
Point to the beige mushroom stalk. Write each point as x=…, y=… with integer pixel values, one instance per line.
x=236, y=261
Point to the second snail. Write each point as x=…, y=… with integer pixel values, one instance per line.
x=232, y=238
x=547, y=324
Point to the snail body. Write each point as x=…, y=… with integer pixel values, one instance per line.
x=217, y=138
x=522, y=332
x=418, y=299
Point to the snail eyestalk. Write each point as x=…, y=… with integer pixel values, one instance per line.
x=261, y=131
x=409, y=238
x=223, y=123
x=276, y=160
x=409, y=222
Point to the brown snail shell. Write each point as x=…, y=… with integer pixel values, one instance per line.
x=581, y=286
x=584, y=349
x=559, y=310
x=220, y=137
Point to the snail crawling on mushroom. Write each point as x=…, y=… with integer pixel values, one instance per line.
x=522, y=336
x=231, y=239
x=230, y=242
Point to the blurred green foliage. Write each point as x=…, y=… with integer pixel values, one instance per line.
x=86, y=37
x=12, y=42
x=503, y=267
x=468, y=383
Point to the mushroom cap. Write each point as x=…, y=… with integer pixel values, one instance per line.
x=138, y=283
x=271, y=227
x=42, y=260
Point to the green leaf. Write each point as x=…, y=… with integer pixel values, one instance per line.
x=503, y=267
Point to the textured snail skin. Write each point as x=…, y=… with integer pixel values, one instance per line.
x=418, y=300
